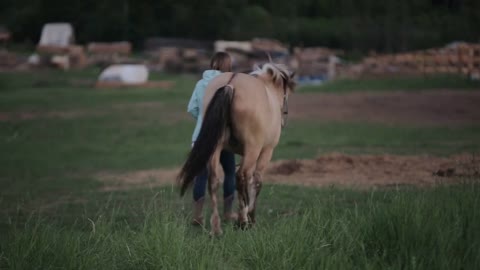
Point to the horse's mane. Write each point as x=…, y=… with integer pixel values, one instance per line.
x=278, y=74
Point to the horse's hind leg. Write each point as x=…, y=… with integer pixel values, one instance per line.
x=244, y=177
x=213, y=183
x=256, y=187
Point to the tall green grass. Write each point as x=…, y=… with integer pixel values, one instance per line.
x=54, y=214
x=408, y=228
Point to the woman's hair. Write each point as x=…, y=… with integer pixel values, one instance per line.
x=221, y=61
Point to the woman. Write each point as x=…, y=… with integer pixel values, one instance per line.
x=221, y=62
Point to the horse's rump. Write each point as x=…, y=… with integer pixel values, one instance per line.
x=212, y=133
x=254, y=111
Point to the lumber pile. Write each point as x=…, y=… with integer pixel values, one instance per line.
x=176, y=59
x=57, y=47
x=4, y=34
x=63, y=57
x=316, y=61
x=457, y=58
x=108, y=52
x=8, y=59
x=268, y=45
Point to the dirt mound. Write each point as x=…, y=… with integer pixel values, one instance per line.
x=168, y=113
x=373, y=170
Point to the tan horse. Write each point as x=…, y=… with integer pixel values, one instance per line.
x=243, y=114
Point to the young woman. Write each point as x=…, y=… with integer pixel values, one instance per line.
x=221, y=62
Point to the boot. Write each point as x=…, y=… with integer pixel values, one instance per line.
x=198, y=212
x=228, y=214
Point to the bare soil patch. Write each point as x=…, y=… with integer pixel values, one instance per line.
x=374, y=170
x=335, y=169
x=434, y=108
x=168, y=113
x=439, y=107
x=142, y=178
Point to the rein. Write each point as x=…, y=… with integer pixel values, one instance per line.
x=229, y=81
x=285, y=108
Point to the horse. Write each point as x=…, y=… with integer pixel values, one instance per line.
x=243, y=113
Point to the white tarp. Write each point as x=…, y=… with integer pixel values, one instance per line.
x=128, y=74
x=57, y=34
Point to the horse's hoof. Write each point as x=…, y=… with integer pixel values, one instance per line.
x=197, y=222
x=242, y=226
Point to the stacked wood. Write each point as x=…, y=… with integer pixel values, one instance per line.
x=78, y=58
x=243, y=60
x=155, y=43
x=268, y=45
x=167, y=55
x=52, y=49
x=315, y=61
x=56, y=47
x=64, y=57
x=4, y=34
x=102, y=53
x=189, y=53
x=459, y=58
x=175, y=59
x=8, y=59
x=111, y=48
x=475, y=63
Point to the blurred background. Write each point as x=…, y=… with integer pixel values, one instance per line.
x=378, y=167
x=383, y=26
x=426, y=36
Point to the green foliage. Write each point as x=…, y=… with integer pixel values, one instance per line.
x=384, y=25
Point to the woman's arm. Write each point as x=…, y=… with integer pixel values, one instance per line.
x=194, y=103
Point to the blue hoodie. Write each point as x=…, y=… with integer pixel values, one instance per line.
x=195, y=106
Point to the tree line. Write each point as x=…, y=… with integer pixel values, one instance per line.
x=381, y=25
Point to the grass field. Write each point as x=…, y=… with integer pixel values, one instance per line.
x=57, y=134
x=426, y=83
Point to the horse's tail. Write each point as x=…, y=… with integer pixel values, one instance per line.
x=215, y=122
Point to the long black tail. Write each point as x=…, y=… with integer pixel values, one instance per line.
x=215, y=122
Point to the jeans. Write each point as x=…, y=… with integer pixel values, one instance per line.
x=227, y=160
